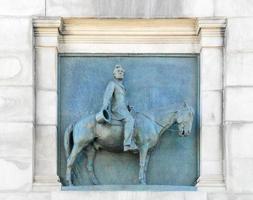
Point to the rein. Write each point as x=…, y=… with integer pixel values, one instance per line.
x=153, y=120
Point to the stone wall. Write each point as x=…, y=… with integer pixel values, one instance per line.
x=17, y=83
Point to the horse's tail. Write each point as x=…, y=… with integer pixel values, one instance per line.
x=67, y=140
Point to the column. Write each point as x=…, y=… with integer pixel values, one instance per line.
x=211, y=34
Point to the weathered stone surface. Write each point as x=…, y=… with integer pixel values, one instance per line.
x=195, y=196
x=46, y=68
x=16, y=140
x=239, y=104
x=25, y=196
x=211, y=68
x=219, y=196
x=16, y=104
x=118, y=195
x=233, y=8
x=22, y=7
x=15, y=34
x=238, y=70
x=16, y=174
x=240, y=139
x=241, y=175
x=46, y=107
x=16, y=60
x=46, y=150
x=126, y=8
x=87, y=8
x=239, y=34
x=16, y=68
x=211, y=167
x=211, y=107
x=211, y=143
x=182, y=8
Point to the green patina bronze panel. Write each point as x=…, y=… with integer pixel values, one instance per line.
x=158, y=84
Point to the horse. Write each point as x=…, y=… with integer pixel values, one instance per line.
x=91, y=136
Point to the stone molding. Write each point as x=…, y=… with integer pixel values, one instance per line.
x=78, y=35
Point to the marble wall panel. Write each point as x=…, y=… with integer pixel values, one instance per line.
x=233, y=8
x=238, y=71
x=239, y=104
x=77, y=8
x=126, y=8
x=16, y=140
x=16, y=104
x=182, y=8
x=211, y=107
x=16, y=174
x=211, y=68
x=239, y=35
x=46, y=107
x=22, y=7
x=46, y=68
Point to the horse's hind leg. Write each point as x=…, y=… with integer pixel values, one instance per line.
x=143, y=157
x=91, y=154
x=71, y=159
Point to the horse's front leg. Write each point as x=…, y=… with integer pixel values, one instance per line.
x=146, y=165
x=91, y=154
x=143, y=157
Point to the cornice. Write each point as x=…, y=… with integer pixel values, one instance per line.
x=128, y=31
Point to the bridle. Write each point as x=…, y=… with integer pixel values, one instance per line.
x=158, y=123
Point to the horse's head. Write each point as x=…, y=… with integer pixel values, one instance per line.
x=184, y=120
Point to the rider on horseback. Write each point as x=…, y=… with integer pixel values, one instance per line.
x=114, y=102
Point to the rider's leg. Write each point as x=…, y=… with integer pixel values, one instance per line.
x=128, y=132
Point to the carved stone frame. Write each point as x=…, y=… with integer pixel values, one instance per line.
x=175, y=36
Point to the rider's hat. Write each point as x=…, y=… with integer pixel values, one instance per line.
x=103, y=117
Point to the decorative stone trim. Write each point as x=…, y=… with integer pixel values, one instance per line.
x=77, y=35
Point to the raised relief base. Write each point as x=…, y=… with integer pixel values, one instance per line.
x=211, y=184
x=46, y=183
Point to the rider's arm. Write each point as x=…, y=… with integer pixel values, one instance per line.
x=108, y=95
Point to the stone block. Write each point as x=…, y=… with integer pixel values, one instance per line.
x=16, y=104
x=117, y=195
x=211, y=143
x=241, y=175
x=238, y=70
x=16, y=68
x=16, y=140
x=25, y=196
x=239, y=104
x=126, y=8
x=211, y=68
x=240, y=139
x=219, y=196
x=16, y=174
x=195, y=196
x=46, y=68
x=239, y=35
x=46, y=150
x=46, y=142
x=15, y=33
x=211, y=107
x=209, y=168
x=77, y=8
x=46, y=107
x=16, y=60
x=233, y=8
x=182, y=8
x=22, y=7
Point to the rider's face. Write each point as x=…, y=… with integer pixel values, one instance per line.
x=119, y=74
